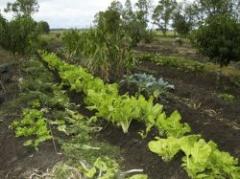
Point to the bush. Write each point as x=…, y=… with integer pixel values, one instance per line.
x=106, y=48
x=3, y=32
x=71, y=41
x=219, y=39
x=43, y=27
x=19, y=35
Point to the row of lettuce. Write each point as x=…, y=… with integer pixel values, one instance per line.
x=201, y=159
x=48, y=114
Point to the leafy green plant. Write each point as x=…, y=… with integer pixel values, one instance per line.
x=168, y=148
x=103, y=168
x=22, y=36
x=217, y=38
x=201, y=160
x=138, y=176
x=172, y=126
x=227, y=97
x=33, y=125
x=180, y=63
x=148, y=84
x=120, y=110
x=72, y=43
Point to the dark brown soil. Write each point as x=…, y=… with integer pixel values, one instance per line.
x=213, y=118
x=17, y=161
x=136, y=155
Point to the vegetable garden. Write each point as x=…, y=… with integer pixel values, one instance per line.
x=120, y=100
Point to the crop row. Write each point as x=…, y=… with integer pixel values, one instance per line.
x=202, y=159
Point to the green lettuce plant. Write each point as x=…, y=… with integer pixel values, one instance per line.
x=32, y=125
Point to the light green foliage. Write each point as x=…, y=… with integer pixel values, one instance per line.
x=172, y=125
x=201, y=160
x=33, y=124
x=197, y=158
x=40, y=97
x=63, y=170
x=205, y=160
x=103, y=168
x=81, y=144
x=138, y=176
x=168, y=148
x=120, y=110
x=105, y=99
x=227, y=97
x=179, y=63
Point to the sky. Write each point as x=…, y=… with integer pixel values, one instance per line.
x=67, y=13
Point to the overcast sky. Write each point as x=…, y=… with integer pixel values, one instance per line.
x=68, y=13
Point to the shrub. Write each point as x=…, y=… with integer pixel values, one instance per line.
x=71, y=41
x=43, y=27
x=3, y=32
x=219, y=39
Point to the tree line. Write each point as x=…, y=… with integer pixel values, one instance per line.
x=211, y=25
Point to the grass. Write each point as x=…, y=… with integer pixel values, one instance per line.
x=190, y=65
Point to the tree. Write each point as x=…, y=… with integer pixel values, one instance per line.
x=184, y=18
x=23, y=7
x=163, y=13
x=109, y=21
x=116, y=6
x=211, y=8
x=128, y=14
x=3, y=32
x=142, y=12
x=180, y=24
x=43, y=27
x=22, y=35
x=219, y=39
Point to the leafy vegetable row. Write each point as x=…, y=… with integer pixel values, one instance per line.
x=202, y=159
x=48, y=114
x=119, y=109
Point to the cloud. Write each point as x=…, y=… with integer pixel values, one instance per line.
x=67, y=13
